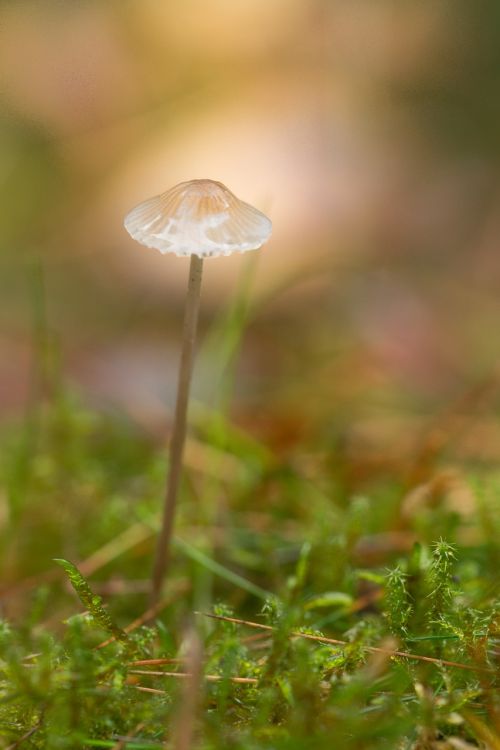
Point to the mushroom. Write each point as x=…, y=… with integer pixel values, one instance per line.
x=199, y=218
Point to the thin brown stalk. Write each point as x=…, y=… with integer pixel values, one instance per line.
x=333, y=641
x=143, y=689
x=129, y=538
x=150, y=613
x=484, y=733
x=154, y=662
x=254, y=638
x=183, y=730
x=179, y=428
x=26, y=736
x=122, y=743
x=188, y=675
x=366, y=601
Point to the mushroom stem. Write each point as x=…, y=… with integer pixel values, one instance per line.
x=179, y=428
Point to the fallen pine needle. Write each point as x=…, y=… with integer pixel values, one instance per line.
x=333, y=641
x=187, y=675
x=155, y=662
x=149, y=690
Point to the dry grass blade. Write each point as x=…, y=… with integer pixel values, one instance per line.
x=188, y=675
x=366, y=601
x=335, y=642
x=122, y=744
x=481, y=731
x=128, y=539
x=256, y=638
x=149, y=614
x=184, y=726
x=131, y=537
x=143, y=689
x=155, y=662
x=25, y=736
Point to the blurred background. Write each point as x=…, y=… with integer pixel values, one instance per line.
x=368, y=131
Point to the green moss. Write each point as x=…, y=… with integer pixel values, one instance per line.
x=60, y=689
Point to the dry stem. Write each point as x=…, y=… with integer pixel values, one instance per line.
x=334, y=641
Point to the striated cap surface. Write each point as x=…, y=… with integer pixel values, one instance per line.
x=199, y=217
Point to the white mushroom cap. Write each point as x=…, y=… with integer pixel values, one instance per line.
x=199, y=217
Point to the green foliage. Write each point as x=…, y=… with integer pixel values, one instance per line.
x=399, y=607
x=91, y=601
x=60, y=689
x=440, y=576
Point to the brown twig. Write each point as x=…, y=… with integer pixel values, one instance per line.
x=25, y=736
x=183, y=730
x=149, y=690
x=188, y=675
x=150, y=613
x=122, y=743
x=154, y=662
x=335, y=642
